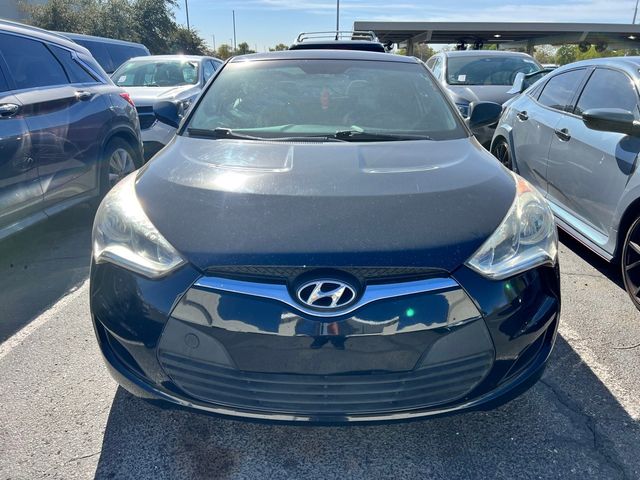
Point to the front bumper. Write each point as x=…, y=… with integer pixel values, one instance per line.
x=201, y=344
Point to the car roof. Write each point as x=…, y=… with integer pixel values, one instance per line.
x=325, y=54
x=367, y=45
x=193, y=58
x=484, y=53
x=629, y=64
x=41, y=34
x=115, y=41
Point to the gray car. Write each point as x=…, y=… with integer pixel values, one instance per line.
x=480, y=76
x=150, y=79
x=575, y=135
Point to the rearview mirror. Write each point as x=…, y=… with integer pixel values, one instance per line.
x=482, y=114
x=611, y=120
x=167, y=112
x=518, y=84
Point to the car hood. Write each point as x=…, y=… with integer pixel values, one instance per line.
x=413, y=203
x=482, y=93
x=144, y=96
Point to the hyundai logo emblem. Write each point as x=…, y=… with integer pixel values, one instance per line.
x=326, y=294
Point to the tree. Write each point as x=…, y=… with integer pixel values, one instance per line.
x=156, y=23
x=243, y=49
x=279, y=47
x=566, y=54
x=545, y=54
x=187, y=42
x=61, y=15
x=224, y=51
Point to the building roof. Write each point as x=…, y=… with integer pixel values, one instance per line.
x=515, y=33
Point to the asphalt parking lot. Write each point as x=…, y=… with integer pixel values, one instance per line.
x=63, y=417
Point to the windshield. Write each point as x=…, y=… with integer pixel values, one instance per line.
x=285, y=98
x=488, y=70
x=156, y=73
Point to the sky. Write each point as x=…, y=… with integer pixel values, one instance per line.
x=265, y=23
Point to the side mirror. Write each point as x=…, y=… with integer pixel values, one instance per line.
x=482, y=114
x=611, y=120
x=518, y=84
x=167, y=112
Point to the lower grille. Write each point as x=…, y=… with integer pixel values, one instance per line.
x=434, y=384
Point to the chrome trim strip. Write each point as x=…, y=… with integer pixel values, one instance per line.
x=372, y=293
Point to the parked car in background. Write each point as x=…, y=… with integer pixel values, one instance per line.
x=575, y=135
x=480, y=75
x=341, y=40
x=67, y=133
x=109, y=52
x=324, y=241
x=178, y=78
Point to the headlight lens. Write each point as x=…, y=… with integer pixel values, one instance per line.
x=463, y=108
x=525, y=239
x=123, y=235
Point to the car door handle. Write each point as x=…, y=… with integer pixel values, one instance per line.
x=563, y=134
x=522, y=116
x=83, y=95
x=8, y=110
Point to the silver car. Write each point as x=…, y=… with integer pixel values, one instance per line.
x=177, y=78
x=480, y=76
x=575, y=134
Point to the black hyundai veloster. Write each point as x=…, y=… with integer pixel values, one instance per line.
x=325, y=241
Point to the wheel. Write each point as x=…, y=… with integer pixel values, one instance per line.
x=502, y=152
x=631, y=262
x=119, y=160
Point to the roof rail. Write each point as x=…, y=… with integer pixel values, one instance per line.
x=367, y=35
x=11, y=23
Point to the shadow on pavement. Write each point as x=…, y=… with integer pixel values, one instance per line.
x=568, y=426
x=608, y=269
x=42, y=264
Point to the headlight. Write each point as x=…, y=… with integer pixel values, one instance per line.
x=124, y=236
x=463, y=108
x=525, y=239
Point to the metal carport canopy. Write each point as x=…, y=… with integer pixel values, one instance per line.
x=524, y=34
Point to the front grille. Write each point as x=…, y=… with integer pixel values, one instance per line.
x=368, y=274
x=435, y=384
x=146, y=116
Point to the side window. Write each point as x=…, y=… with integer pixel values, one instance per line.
x=437, y=68
x=208, y=69
x=3, y=83
x=560, y=89
x=74, y=70
x=608, y=89
x=430, y=62
x=30, y=62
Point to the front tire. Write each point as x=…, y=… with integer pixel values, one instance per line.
x=118, y=161
x=631, y=262
x=502, y=152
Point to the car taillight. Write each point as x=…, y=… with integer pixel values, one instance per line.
x=127, y=97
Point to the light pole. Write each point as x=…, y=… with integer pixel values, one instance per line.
x=234, y=30
x=635, y=13
x=337, y=18
x=214, y=42
x=186, y=8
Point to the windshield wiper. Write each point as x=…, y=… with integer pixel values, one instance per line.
x=364, y=136
x=229, y=133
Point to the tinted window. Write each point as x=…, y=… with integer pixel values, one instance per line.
x=122, y=53
x=100, y=53
x=74, y=70
x=608, y=89
x=559, y=90
x=321, y=97
x=3, y=83
x=488, y=70
x=30, y=62
x=209, y=69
